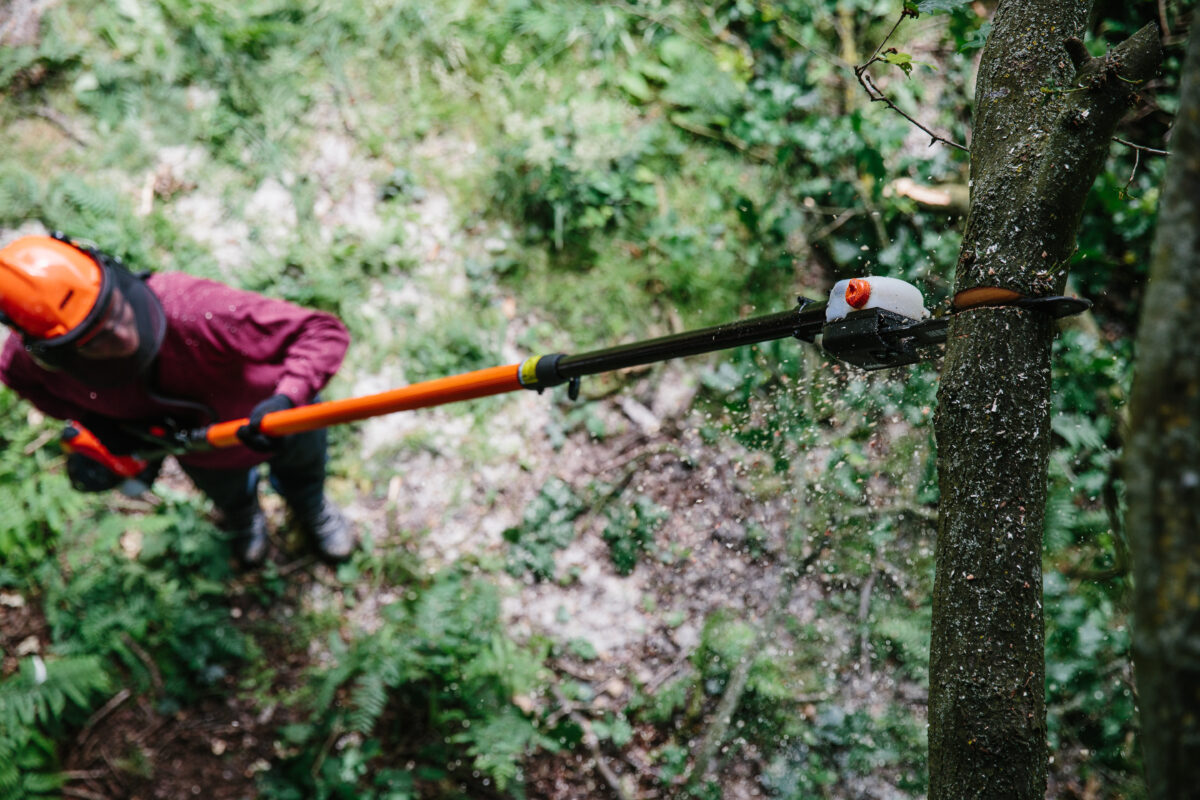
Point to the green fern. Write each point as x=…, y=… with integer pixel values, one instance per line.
x=38, y=503
x=499, y=743
x=20, y=194
x=35, y=700
x=78, y=205
x=440, y=661
x=905, y=637
x=368, y=700
x=30, y=698
x=170, y=603
x=14, y=61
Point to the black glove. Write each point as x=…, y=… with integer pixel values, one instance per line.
x=252, y=436
x=87, y=475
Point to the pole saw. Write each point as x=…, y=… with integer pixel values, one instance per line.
x=871, y=323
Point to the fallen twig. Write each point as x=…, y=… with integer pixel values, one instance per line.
x=647, y=452
x=84, y=774
x=61, y=122
x=112, y=705
x=148, y=662
x=82, y=794
x=592, y=742
x=727, y=706
x=681, y=664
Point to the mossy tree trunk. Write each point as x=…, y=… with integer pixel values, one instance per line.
x=1045, y=113
x=1162, y=472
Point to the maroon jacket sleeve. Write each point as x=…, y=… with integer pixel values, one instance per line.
x=19, y=374
x=251, y=328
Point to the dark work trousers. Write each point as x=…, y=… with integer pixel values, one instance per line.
x=297, y=472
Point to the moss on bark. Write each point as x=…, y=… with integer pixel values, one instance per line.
x=1044, y=117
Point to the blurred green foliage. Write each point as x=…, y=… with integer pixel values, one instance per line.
x=547, y=525
x=37, y=707
x=168, y=604
x=34, y=490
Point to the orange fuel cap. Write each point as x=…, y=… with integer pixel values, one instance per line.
x=858, y=292
x=47, y=287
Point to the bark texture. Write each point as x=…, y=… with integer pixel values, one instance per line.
x=1045, y=113
x=1162, y=472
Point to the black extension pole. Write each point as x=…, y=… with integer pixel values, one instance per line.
x=803, y=322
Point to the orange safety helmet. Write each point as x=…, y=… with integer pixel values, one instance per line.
x=59, y=294
x=47, y=287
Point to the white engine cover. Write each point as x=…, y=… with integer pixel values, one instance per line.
x=890, y=294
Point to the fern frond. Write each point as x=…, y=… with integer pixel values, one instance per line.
x=28, y=698
x=73, y=203
x=499, y=744
x=10, y=776
x=368, y=700
x=20, y=194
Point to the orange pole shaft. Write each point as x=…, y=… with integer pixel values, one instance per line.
x=468, y=386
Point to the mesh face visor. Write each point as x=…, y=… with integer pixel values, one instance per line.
x=114, y=335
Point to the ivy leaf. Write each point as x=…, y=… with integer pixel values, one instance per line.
x=977, y=39
x=934, y=6
x=903, y=60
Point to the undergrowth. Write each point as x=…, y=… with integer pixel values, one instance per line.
x=427, y=698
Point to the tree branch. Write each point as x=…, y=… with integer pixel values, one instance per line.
x=1141, y=147
x=877, y=96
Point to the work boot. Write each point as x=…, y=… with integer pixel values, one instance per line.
x=328, y=530
x=249, y=529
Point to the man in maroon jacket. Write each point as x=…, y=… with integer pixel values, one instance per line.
x=123, y=353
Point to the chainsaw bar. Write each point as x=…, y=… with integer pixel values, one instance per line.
x=876, y=338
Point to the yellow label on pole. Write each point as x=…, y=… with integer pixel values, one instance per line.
x=528, y=373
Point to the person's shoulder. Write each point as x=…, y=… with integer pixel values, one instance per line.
x=181, y=282
x=179, y=292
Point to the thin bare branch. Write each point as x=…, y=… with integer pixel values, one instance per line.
x=61, y=121
x=877, y=96
x=112, y=705
x=904, y=14
x=1141, y=147
x=1137, y=159
x=82, y=794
